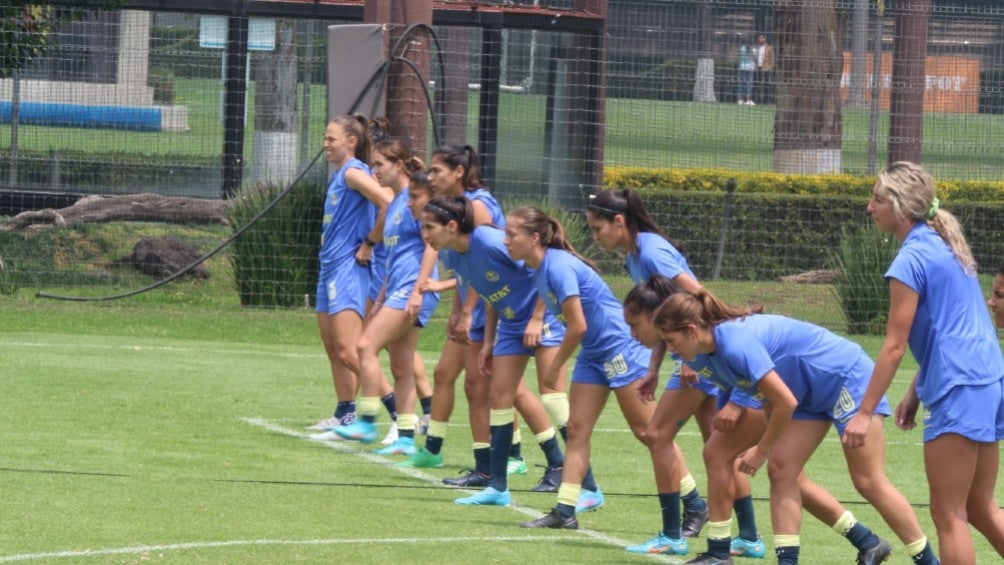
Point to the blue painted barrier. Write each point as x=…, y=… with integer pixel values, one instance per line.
x=131, y=118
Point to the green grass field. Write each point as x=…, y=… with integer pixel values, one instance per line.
x=169, y=428
x=643, y=133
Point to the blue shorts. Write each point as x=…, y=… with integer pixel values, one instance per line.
x=848, y=401
x=477, y=334
x=343, y=289
x=398, y=299
x=509, y=338
x=378, y=271
x=738, y=397
x=616, y=371
x=974, y=412
x=704, y=385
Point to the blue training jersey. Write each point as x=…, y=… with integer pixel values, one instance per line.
x=812, y=361
x=402, y=237
x=507, y=285
x=448, y=257
x=952, y=337
x=348, y=218
x=655, y=255
x=563, y=275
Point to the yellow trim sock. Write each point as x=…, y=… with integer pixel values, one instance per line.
x=437, y=429
x=481, y=445
x=787, y=541
x=556, y=405
x=545, y=435
x=844, y=523
x=369, y=406
x=500, y=417
x=916, y=547
x=687, y=485
x=720, y=530
x=406, y=422
x=569, y=494
x=517, y=437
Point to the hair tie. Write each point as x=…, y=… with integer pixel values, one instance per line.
x=933, y=210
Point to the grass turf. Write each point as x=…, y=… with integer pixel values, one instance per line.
x=158, y=430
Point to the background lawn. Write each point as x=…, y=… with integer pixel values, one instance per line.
x=169, y=428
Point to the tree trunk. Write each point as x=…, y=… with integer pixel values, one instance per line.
x=906, y=99
x=273, y=158
x=130, y=208
x=458, y=44
x=807, y=126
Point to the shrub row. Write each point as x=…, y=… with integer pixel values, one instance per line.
x=786, y=224
x=716, y=180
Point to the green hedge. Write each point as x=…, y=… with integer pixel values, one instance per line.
x=786, y=224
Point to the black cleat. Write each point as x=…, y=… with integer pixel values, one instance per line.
x=550, y=481
x=877, y=554
x=708, y=558
x=553, y=520
x=471, y=479
x=693, y=522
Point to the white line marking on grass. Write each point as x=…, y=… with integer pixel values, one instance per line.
x=233, y=543
x=348, y=447
x=248, y=351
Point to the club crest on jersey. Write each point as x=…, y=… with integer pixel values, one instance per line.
x=492, y=276
x=333, y=198
x=397, y=218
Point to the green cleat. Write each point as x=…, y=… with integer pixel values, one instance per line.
x=422, y=458
x=515, y=467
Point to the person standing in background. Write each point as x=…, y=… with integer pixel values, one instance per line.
x=747, y=65
x=763, y=61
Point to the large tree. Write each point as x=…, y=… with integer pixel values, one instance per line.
x=807, y=126
x=24, y=32
x=274, y=153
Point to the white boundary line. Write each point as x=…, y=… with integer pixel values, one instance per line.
x=345, y=448
x=235, y=543
x=425, y=477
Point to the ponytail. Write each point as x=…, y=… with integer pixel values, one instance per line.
x=357, y=126
x=444, y=209
x=462, y=156
x=911, y=190
x=703, y=309
x=550, y=231
x=608, y=204
x=648, y=296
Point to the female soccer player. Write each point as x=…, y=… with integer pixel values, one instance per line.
x=522, y=329
x=812, y=379
x=738, y=426
x=401, y=308
x=996, y=301
x=937, y=308
x=354, y=211
x=619, y=220
x=609, y=358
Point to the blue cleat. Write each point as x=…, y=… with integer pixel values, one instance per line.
x=487, y=497
x=589, y=500
x=746, y=548
x=400, y=446
x=361, y=431
x=661, y=544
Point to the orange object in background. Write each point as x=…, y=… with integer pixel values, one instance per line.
x=952, y=84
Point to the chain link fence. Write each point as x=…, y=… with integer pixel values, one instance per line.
x=133, y=101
